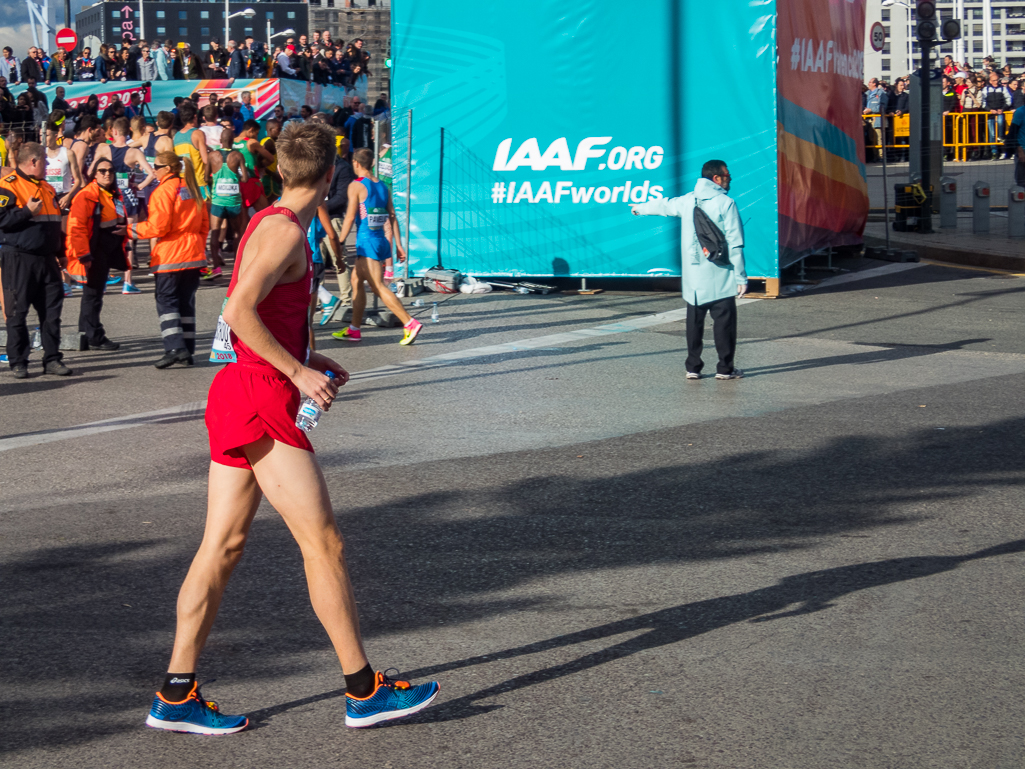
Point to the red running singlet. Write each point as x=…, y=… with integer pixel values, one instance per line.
x=285, y=310
x=250, y=399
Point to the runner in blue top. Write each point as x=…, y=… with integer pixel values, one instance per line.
x=369, y=197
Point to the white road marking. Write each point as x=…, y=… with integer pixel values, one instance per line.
x=192, y=410
x=875, y=272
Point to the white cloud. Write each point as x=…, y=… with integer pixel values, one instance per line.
x=19, y=38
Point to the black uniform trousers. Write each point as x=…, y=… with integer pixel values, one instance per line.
x=724, y=330
x=176, y=306
x=30, y=280
x=92, y=299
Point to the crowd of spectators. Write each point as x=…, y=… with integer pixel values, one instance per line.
x=320, y=60
x=990, y=92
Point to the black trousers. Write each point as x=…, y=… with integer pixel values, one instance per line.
x=724, y=330
x=176, y=306
x=33, y=281
x=92, y=299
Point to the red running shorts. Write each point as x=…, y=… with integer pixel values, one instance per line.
x=246, y=404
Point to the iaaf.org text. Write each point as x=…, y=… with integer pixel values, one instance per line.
x=529, y=155
x=566, y=192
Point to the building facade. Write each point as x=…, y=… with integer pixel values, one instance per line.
x=195, y=23
x=366, y=19
x=988, y=28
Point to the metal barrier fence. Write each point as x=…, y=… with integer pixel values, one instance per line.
x=966, y=135
x=29, y=131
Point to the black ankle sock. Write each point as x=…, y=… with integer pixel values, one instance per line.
x=177, y=686
x=361, y=683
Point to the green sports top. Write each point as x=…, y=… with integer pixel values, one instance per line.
x=226, y=189
x=242, y=145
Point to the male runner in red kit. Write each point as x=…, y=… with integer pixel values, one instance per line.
x=256, y=449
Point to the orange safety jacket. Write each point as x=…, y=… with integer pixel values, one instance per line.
x=179, y=225
x=20, y=230
x=94, y=211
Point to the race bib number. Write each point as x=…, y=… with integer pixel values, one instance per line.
x=122, y=181
x=376, y=218
x=226, y=188
x=55, y=180
x=222, y=351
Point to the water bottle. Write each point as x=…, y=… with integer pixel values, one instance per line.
x=309, y=411
x=418, y=303
x=399, y=287
x=521, y=290
x=434, y=314
x=37, y=340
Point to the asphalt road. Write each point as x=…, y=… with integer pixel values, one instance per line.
x=604, y=565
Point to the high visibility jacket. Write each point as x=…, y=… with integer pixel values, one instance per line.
x=95, y=212
x=179, y=225
x=23, y=231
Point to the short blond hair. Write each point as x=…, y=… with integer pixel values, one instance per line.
x=306, y=152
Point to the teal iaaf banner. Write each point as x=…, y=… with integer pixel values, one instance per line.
x=558, y=115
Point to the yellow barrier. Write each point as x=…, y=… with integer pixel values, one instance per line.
x=964, y=133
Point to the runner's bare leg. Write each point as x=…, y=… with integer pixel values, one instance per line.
x=232, y=500
x=294, y=484
x=359, y=293
x=373, y=271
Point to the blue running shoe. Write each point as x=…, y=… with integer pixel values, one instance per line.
x=194, y=714
x=129, y=288
x=390, y=700
x=328, y=310
x=113, y=280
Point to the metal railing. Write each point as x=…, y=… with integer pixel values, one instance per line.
x=965, y=134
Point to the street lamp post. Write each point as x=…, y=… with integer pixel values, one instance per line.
x=248, y=13
x=270, y=37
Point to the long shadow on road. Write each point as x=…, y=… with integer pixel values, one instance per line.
x=449, y=541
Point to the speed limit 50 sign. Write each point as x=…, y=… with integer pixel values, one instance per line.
x=877, y=36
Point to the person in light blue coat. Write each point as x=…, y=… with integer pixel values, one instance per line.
x=708, y=288
x=165, y=69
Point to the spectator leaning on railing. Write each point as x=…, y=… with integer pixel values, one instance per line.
x=996, y=98
x=147, y=65
x=30, y=66
x=217, y=60
x=10, y=67
x=61, y=68
x=161, y=53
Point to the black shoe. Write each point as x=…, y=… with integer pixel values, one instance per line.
x=56, y=368
x=20, y=371
x=180, y=355
x=106, y=345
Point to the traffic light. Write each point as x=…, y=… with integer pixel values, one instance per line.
x=951, y=29
x=925, y=12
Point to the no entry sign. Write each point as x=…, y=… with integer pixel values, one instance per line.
x=67, y=39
